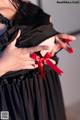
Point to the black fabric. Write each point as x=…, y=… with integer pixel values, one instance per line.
x=28, y=34
x=34, y=25
x=4, y=20
x=23, y=93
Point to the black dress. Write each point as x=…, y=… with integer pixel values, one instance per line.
x=23, y=93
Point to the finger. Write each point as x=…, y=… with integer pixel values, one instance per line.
x=37, y=48
x=28, y=62
x=15, y=40
x=65, y=46
x=66, y=36
x=30, y=66
x=62, y=44
x=26, y=56
x=28, y=59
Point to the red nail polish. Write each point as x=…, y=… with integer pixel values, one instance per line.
x=70, y=50
x=67, y=40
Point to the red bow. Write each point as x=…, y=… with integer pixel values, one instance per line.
x=46, y=59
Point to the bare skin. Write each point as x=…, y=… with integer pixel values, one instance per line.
x=14, y=58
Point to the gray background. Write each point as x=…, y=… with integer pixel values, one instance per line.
x=66, y=17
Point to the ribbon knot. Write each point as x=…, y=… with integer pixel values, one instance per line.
x=46, y=60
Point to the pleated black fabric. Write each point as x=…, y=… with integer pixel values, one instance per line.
x=27, y=97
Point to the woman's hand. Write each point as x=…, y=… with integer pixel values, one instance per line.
x=14, y=58
x=53, y=48
x=63, y=40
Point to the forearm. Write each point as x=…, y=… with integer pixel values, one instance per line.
x=3, y=67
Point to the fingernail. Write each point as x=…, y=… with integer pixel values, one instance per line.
x=70, y=50
x=35, y=65
x=69, y=40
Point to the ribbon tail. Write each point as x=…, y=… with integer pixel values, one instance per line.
x=35, y=56
x=54, y=67
x=41, y=69
x=40, y=64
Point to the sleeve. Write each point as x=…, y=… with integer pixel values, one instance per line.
x=36, y=29
x=35, y=36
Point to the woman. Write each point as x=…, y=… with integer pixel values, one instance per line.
x=22, y=91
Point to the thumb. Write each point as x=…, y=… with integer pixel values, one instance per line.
x=15, y=39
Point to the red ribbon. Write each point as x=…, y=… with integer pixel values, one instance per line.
x=46, y=59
